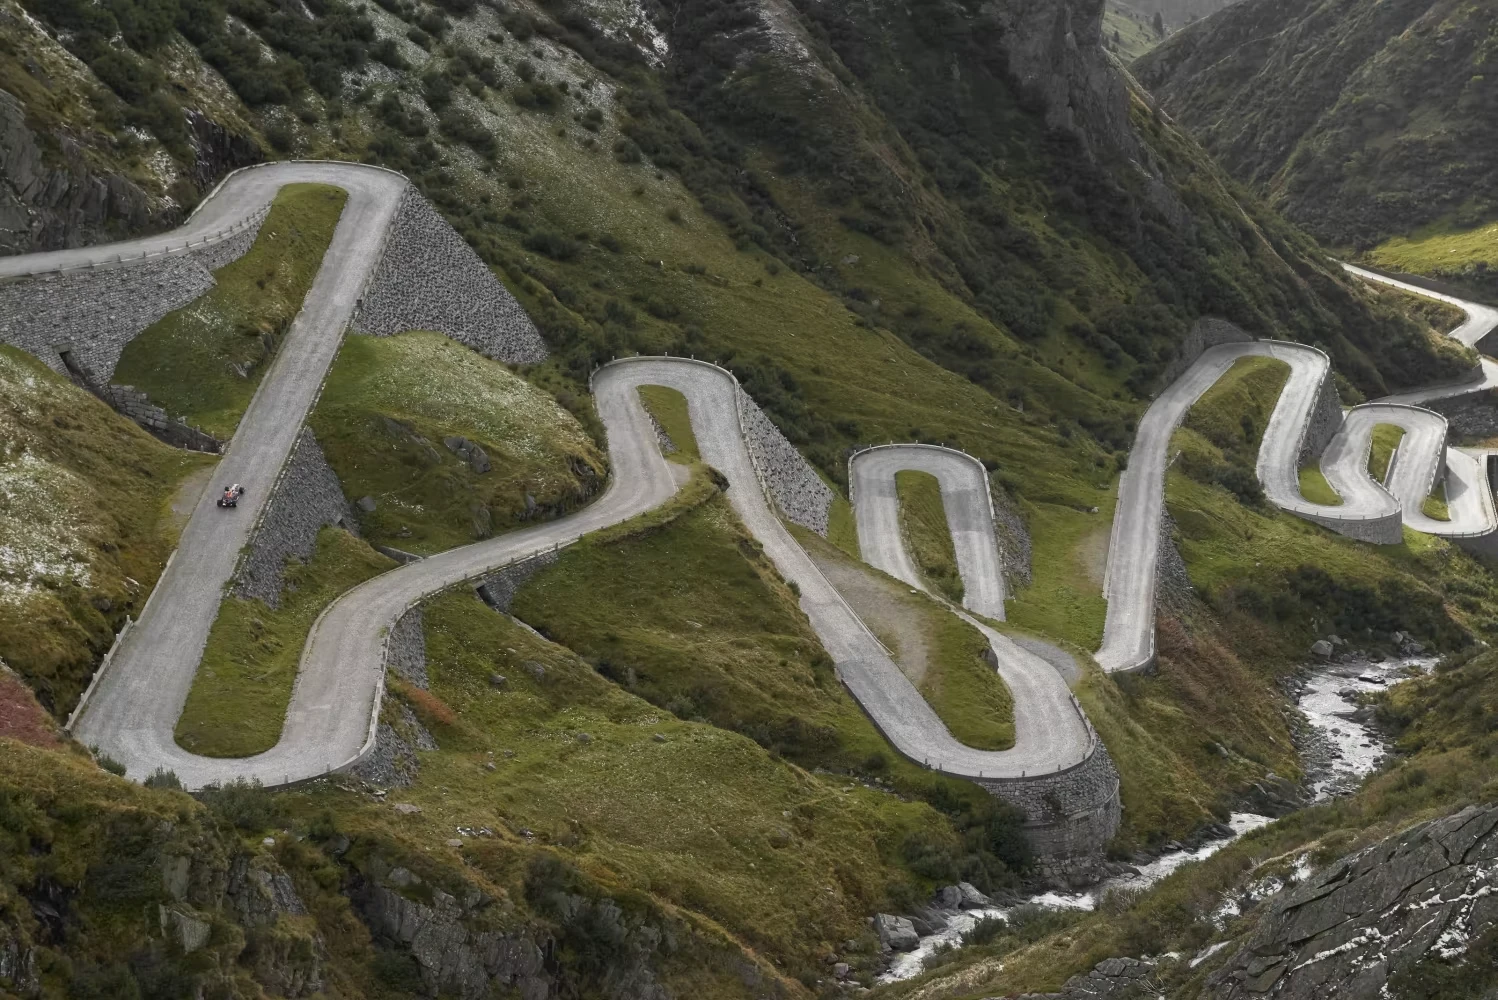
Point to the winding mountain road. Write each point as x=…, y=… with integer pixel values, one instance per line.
x=131, y=711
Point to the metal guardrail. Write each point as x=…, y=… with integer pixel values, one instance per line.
x=254, y=218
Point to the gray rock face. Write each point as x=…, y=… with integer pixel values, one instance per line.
x=1206, y=332
x=393, y=762
x=308, y=496
x=51, y=206
x=1341, y=933
x=1110, y=979
x=128, y=401
x=1326, y=420
x=468, y=451
x=1069, y=815
x=429, y=279
x=455, y=957
x=1013, y=535
x=895, y=932
x=793, y=484
x=1321, y=649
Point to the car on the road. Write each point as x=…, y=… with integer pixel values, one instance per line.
x=231, y=495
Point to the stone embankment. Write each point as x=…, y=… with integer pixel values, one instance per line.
x=499, y=588
x=793, y=484
x=1206, y=332
x=1069, y=816
x=92, y=313
x=137, y=406
x=307, y=497
x=430, y=279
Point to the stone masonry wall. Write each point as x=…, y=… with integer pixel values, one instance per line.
x=1326, y=421
x=1206, y=332
x=796, y=488
x=94, y=313
x=407, y=649
x=306, y=498
x=136, y=405
x=1013, y=536
x=1071, y=815
x=430, y=279
x=498, y=589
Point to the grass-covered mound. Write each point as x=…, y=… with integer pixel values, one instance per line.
x=238, y=700
x=86, y=523
x=942, y=655
x=1386, y=438
x=389, y=421
x=923, y=524
x=205, y=360
x=690, y=615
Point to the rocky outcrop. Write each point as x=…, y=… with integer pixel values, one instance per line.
x=1423, y=894
x=307, y=497
x=457, y=953
x=63, y=203
x=1110, y=979
x=429, y=279
x=793, y=484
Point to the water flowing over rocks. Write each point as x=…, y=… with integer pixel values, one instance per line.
x=429, y=279
x=793, y=484
x=1344, y=930
x=307, y=497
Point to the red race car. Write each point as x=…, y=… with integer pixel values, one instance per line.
x=231, y=496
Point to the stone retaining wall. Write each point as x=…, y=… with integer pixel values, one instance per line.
x=1013, y=537
x=1206, y=332
x=406, y=649
x=1070, y=816
x=1326, y=421
x=498, y=589
x=793, y=484
x=94, y=313
x=307, y=497
x=130, y=402
x=429, y=279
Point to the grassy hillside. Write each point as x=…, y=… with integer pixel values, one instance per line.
x=205, y=360
x=89, y=510
x=387, y=413
x=1466, y=255
x=1359, y=121
x=923, y=523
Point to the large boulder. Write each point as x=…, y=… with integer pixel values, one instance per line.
x=896, y=933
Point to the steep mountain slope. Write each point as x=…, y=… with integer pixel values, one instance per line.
x=1360, y=121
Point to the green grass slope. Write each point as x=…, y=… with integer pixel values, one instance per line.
x=923, y=523
x=1359, y=121
x=205, y=360
x=86, y=524
x=237, y=703
x=388, y=408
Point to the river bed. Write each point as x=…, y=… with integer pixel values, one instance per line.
x=908, y=964
x=1339, y=753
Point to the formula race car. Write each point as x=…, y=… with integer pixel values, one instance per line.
x=231, y=496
